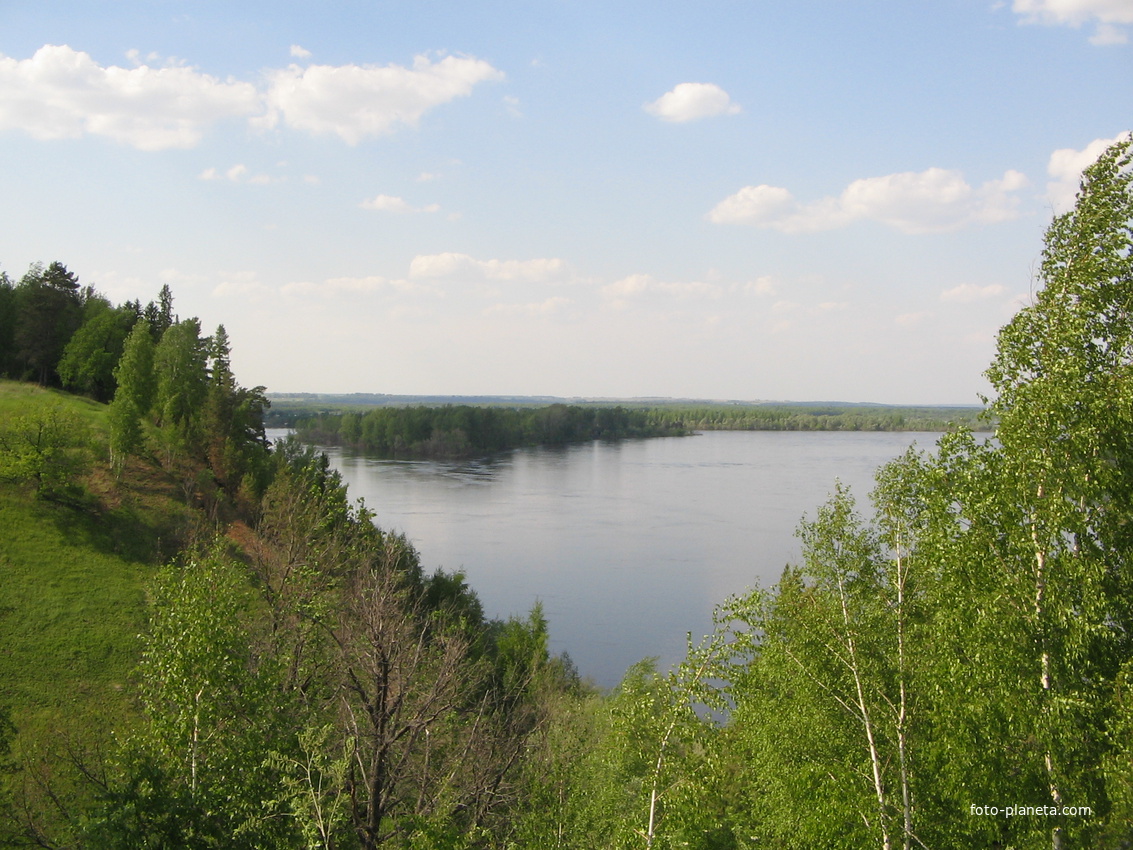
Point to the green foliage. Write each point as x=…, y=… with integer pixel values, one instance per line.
x=464, y=431
x=967, y=645
x=49, y=310
x=312, y=788
x=970, y=646
x=215, y=709
x=823, y=692
x=136, y=387
x=232, y=421
x=160, y=314
x=90, y=357
x=181, y=368
x=141, y=805
x=811, y=417
x=8, y=324
x=47, y=447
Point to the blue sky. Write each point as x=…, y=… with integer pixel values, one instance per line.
x=805, y=201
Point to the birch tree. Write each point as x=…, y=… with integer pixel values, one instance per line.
x=821, y=692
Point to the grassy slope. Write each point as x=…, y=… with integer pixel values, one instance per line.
x=72, y=579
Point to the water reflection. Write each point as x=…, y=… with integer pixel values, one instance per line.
x=629, y=545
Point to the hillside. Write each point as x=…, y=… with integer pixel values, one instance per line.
x=71, y=601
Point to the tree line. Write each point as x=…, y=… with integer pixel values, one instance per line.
x=170, y=390
x=454, y=431
x=815, y=417
x=60, y=334
x=954, y=671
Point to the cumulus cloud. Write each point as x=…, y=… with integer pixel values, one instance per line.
x=300, y=52
x=1065, y=169
x=393, y=204
x=928, y=201
x=354, y=102
x=1109, y=16
x=463, y=266
x=692, y=101
x=966, y=293
x=63, y=93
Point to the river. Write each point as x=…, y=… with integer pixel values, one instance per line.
x=629, y=545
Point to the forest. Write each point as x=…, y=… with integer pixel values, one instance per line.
x=206, y=644
x=463, y=430
x=459, y=431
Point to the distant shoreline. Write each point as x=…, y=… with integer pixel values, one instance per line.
x=399, y=400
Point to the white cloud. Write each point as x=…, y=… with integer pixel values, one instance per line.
x=761, y=206
x=1107, y=15
x=551, y=305
x=627, y=287
x=336, y=286
x=966, y=293
x=300, y=52
x=692, y=101
x=619, y=293
x=911, y=319
x=63, y=93
x=929, y=201
x=354, y=102
x=784, y=307
x=463, y=266
x=238, y=174
x=1107, y=34
x=393, y=204
x=1065, y=168
x=763, y=285
x=244, y=284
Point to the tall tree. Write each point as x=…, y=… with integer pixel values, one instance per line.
x=88, y=361
x=181, y=366
x=134, y=396
x=1061, y=377
x=822, y=692
x=1027, y=542
x=197, y=775
x=8, y=316
x=160, y=314
x=49, y=311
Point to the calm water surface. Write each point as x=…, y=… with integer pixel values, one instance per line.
x=629, y=545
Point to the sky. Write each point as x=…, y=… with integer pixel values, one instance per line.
x=838, y=201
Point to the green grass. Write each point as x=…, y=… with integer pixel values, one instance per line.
x=18, y=398
x=70, y=614
x=73, y=577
